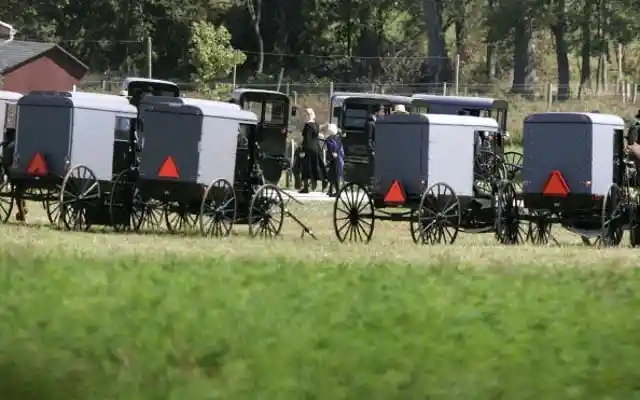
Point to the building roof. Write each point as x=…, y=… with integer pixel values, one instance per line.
x=16, y=52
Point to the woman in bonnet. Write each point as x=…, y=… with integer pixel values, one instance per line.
x=309, y=155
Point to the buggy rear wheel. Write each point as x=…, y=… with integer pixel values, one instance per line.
x=218, y=209
x=80, y=190
x=513, y=166
x=488, y=170
x=539, y=232
x=7, y=199
x=353, y=214
x=439, y=217
x=266, y=212
x=634, y=226
x=178, y=219
x=613, y=217
x=509, y=229
x=147, y=215
x=121, y=202
x=52, y=207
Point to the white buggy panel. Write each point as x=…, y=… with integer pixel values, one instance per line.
x=93, y=136
x=580, y=146
x=218, y=149
x=451, y=156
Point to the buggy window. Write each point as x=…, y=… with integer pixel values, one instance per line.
x=244, y=131
x=253, y=106
x=355, y=116
x=500, y=115
x=10, y=116
x=123, y=129
x=274, y=112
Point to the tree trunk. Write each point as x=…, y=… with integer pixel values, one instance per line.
x=491, y=47
x=260, y=68
x=438, y=67
x=562, y=52
x=586, y=49
x=523, y=59
x=255, y=12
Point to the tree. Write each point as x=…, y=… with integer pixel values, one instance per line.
x=255, y=12
x=212, y=54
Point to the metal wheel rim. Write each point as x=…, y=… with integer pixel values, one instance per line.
x=260, y=217
x=182, y=222
x=7, y=199
x=356, y=207
x=115, y=198
x=80, y=185
x=435, y=222
x=509, y=229
x=213, y=211
x=610, y=236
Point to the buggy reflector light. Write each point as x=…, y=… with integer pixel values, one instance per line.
x=395, y=194
x=169, y=169
x=556, y=185
x=38, y=166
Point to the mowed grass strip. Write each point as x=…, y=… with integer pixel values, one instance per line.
x=102, y=323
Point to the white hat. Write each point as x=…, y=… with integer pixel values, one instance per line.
x=399, y=108
x=332, y=129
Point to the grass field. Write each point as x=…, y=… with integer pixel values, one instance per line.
x=105, y=316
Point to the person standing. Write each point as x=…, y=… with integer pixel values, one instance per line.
x=370, y=129
x=310, y=160
x=634, y=130
x=335, y=159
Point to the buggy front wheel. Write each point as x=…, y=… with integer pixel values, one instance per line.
x=353, y=214
x=509, y=227
x=7, y=199
x=612, y=217
x=218, y=209
x=80, y=190
x=266, y=212
x=439, y=217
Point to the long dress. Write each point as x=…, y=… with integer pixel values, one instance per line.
x=311, y=162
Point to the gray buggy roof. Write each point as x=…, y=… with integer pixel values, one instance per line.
x=89, y=101
x=576, y=118
x=464, y=101
x=209, y=108
x=235, y=94
x=128, y=80
x=489, y=124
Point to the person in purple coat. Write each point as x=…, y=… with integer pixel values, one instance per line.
x=334, y=154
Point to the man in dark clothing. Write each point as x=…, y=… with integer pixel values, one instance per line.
x=634, y=130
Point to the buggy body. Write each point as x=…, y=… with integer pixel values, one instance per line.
x=424, y=174
x=274, y=111
x=576, y=174
x=355, y=138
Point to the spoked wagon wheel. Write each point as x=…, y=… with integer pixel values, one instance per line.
x=52, y=206
x=539, y=232
x=488, y=169
x=7, y=199
x=353, y=214
x=266, y=212
x=80, y=190
x=146, y=215
x=218, y=209
x=179, y=219
x=121, y=202
x=439, y=217
x=513, y=167
x=509, y=229
x=614, y=213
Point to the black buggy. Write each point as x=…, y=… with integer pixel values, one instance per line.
x=576, y=174
x=275, y=113
x=415, y=180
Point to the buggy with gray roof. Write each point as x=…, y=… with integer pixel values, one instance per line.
x=415, y=180
x=590, y=190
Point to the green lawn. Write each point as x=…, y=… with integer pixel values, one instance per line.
x=80, y=325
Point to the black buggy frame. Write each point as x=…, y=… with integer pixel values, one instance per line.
x=599, y=220
x=436, y=214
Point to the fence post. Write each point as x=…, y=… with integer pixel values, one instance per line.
x=331, y=89
x=634, y=92
x=373, y=88
x=444, y=88
x=295, y=98
x=288, y=89
x=549, y=96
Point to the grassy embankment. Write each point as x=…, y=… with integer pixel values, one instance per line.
x=103, y=316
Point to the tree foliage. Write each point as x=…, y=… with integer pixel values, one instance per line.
x=381, y=41
x=211, y=54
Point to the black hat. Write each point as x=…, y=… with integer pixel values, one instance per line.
x=378, y=108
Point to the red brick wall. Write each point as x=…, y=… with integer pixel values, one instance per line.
x=52, y=71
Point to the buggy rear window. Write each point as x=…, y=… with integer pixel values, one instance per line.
x=355, y=116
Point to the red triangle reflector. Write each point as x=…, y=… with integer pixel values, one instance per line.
x=395, y=193
x=169, y=169
x=556, y=185
x=38, y=166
